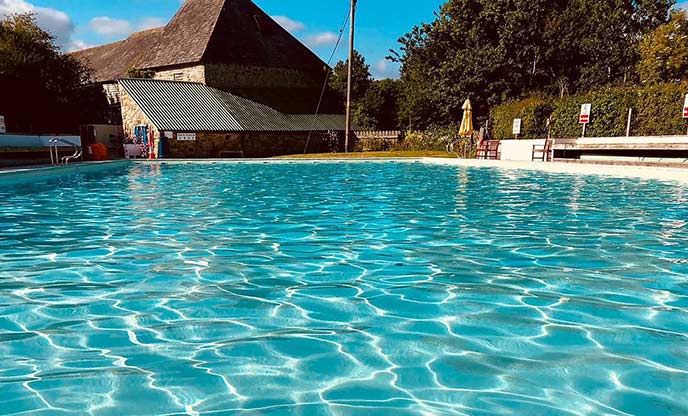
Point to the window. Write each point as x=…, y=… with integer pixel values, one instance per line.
x=178, y=76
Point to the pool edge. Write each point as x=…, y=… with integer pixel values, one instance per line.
x=664, y=174
x=29, y=173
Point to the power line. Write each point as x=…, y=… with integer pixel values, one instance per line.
x=327, y=80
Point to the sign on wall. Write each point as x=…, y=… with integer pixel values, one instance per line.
x=3, y=128
x=586, y=109
x=186, y=137
x=517, y=126
x=685, y=107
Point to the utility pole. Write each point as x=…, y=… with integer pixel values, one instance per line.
x=352, y=21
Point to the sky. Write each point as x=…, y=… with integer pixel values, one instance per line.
x=82, y=23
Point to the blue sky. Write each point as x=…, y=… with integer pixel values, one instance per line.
x=80, y=23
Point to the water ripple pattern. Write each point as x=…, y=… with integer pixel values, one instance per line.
x=343, y=289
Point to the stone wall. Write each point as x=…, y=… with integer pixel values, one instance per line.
x=111, y=93
x=287, y=90
x=206, y=145
x=240, y=76
x=250, y=145
x=132, y=115
x=187, y=74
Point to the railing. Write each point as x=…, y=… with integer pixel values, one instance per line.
x=460, y=147
x=378, y=134
x=55, y=156
x=377, y=140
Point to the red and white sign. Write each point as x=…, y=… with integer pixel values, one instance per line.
x=3, y=129
x=586, y=109
x=685, y=108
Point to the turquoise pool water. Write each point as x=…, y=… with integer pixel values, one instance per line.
x=343, y=289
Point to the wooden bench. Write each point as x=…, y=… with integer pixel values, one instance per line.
x=489, y=150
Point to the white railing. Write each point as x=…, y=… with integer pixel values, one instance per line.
x=55, y=156
x=378, y=134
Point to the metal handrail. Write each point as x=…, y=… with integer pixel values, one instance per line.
x=55, y=156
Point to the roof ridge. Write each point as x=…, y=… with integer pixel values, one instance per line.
x=131, y=35
x=159, y=80
x=186, y=36
x=90, y=48
x=144, y=31
x=212, y=31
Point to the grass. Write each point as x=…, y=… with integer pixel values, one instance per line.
x=372, y=155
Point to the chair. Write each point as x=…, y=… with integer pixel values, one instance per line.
x=543, y=153
x=489, y=150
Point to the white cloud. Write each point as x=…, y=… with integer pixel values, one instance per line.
x=289, y=24
x=53, y=21
x=381, y=66
x=150, y=23
x=109, y=27
x=112, y=28
x=78, y=45
x=384, y=69
x=322, y=39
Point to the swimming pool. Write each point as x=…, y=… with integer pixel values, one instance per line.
x=343, y=289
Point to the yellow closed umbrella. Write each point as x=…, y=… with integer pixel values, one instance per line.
x=466, y=129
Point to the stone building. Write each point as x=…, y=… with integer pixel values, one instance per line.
x=226, y=45
x=194, y=120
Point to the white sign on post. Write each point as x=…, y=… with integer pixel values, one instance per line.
x=517, y=126
x=186, y=137
x=3, y=128
x=586, y=109
x=685, y=107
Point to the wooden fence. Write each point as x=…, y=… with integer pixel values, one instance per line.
x=377, y=140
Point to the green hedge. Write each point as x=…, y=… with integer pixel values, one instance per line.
x=534, y=112
x=432, y=139
x=656, y=111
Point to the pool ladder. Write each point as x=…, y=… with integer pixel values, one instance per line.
x=55, y=157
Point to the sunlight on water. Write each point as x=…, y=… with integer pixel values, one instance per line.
x=343, y=289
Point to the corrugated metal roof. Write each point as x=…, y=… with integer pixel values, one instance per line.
x=320, y=122
x=188, y=106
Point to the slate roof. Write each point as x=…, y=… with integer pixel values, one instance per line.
x=194, y=107
x=113, y=60
x=205, y=31
x=185, y=38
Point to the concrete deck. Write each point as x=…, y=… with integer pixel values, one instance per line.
x=640, y=172
x=623, y=143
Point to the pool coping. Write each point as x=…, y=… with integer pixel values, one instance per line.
x=24, y=174
x=665, y=174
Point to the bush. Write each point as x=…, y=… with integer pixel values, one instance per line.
x=659, y=110
x=432, y=139
x=656, y=111
x=609, y=113
x=534, y=112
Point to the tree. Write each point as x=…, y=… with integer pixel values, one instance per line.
x=664, y=52
x=373, y=102
x=140, y=73
x=494, y=50
x=379, y=107
x=361, y=79
x=42, y=90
